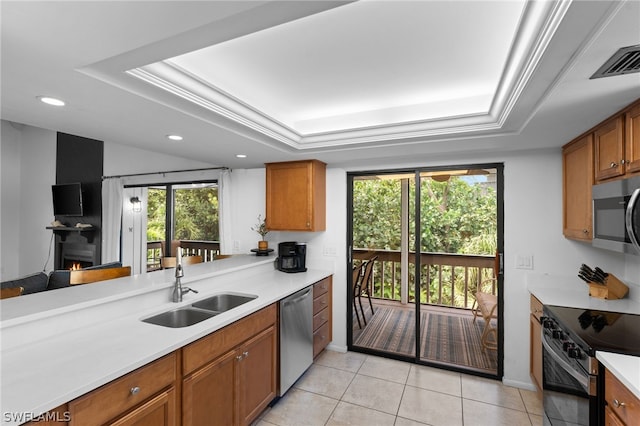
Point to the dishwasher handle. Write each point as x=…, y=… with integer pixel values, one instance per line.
x=297, y=299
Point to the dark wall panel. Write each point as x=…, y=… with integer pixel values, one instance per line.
x=80, y=159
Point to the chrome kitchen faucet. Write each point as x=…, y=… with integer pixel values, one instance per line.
x=178, y=289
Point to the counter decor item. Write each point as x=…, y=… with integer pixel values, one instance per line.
x=261, y=228
x=602, y=284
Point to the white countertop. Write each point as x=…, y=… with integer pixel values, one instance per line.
x=625, y=368
x=573, y=293
x=78, y=343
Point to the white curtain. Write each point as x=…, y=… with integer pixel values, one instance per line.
x=225, y=214
x=111, y=219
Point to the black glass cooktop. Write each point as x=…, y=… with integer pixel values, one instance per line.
x=598, y=330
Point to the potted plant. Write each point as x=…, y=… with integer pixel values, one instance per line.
x=261, y=228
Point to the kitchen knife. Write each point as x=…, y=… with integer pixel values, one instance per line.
x=600, y=274
x=587, y=271
x=583, y=278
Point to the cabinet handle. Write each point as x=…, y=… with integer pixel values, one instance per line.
x=613, y=165
x=134, y=390
x=585, y=231
x=242, y=356
x=618, y=404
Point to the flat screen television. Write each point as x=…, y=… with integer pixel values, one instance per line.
x=67, y=199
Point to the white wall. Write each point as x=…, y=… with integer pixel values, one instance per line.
x=26, y=175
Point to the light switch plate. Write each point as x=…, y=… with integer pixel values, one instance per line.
x=524, y=261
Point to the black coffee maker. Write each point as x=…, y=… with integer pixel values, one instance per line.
x=291, y=257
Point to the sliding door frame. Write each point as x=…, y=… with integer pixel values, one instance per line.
x=499, y=167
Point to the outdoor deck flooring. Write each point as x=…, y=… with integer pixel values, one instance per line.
x=448, y=336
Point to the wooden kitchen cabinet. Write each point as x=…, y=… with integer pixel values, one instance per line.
x=608, y=139
x=143, y=397
x=617, y=145
x=296, y=196
x=535, y=342
x=230, y=376
x=632, y=136
x=322, y=315
x=57, y=417
x=622, y=407
x=577, y=180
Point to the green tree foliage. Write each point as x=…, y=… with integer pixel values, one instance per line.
x=457, y=215
x=196, y=214
x=156, y=213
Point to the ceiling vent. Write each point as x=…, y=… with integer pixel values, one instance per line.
x=625, y=61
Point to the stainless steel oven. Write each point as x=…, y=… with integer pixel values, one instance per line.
x=569, y=378
x=572, y=378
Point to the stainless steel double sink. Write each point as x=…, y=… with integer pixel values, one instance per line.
x=200, y=310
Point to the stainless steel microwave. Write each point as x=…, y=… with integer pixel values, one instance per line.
x=616, y=215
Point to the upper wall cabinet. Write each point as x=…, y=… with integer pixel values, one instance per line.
x=296, y=196
x=632, y=147
x=577, y=180
x=609, y=144
x=609, y=151
x=617, y=145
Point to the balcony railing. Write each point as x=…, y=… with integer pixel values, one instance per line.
x=156, y=250
x=445, y=279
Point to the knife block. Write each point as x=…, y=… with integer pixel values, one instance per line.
x=612, y=289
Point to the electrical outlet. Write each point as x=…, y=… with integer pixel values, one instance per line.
x=236, y=246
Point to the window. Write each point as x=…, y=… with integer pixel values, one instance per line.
x=187, y=215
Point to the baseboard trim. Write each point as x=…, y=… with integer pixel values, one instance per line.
x=337, y=348
x=521, y=385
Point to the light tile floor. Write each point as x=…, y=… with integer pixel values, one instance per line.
x=357, y=389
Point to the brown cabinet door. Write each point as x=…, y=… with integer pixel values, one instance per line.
x=632, y=148
x=535, y=358
x=609, y=149
x=159, y=411
x=257, y=365
x=121, y=395
x=208, y=395
x=296, y=196
x=610, y=419
x=577, y=177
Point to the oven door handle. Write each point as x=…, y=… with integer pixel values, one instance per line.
x=583, y=379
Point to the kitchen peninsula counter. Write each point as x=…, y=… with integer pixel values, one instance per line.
x=87, y=336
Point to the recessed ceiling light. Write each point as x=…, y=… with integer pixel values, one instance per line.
x=241, y=155
x=175, y=137
x=51, y=101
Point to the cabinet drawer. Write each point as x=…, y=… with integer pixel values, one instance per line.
x=202, y=351
x=321, y=338
x=321, y=287
x=122, y=394
x=536, y=307
x=320, y=318
x=320, y=303
x=620, y=399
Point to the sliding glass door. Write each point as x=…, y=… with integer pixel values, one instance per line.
x=423, y=243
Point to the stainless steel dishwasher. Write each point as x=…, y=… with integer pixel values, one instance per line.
x=296, y=337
